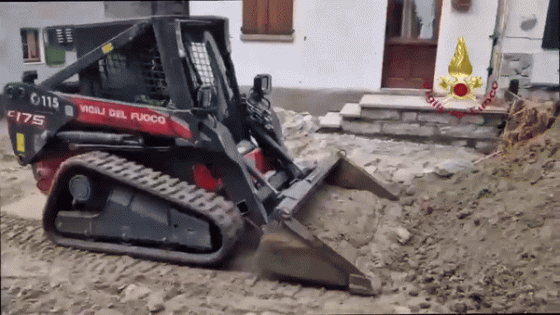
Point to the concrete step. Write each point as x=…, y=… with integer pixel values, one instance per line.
x=418, y=102
x=412, y=117
x=332, y=120
x=351, y=110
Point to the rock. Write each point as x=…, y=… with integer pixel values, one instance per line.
x=410, y=191
x=364, y=264
x=402, y=234
x=428, y=279
x=541, y=296
x=134, y=292
x=403, y=175
x=411, y=275
x=288, y=290
x=533, y=173
x=424, y=305
x=459, y=307
x=394, y=209
x=376, y=285
x=397, y=309
x=155, y=302
x=414, y=308
x=108, y=311
x=556, y=278
x=463, y=214
x=450, y=167
x=497, y=307
x=414, y=291
x=177, y=303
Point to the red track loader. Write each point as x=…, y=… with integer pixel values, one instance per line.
x=153, y=152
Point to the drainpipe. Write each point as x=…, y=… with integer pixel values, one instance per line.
x=499, y=30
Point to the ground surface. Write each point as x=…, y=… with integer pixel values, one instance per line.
x=485, y=239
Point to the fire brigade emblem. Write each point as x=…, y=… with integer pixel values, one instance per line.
x=459, y=83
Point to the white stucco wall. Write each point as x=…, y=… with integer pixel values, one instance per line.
x=338, y=44
x=516, y=40
x=475, y=26
x=16, y=15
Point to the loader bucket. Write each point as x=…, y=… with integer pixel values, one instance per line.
x=289, y=249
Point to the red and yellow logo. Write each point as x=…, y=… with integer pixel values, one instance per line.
x=459, y=83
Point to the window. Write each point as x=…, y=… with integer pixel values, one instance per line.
x=268, y=20
x=550, y=36
x=30, y=42
x=412, y=19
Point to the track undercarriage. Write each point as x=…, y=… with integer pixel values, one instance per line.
x=105, y=203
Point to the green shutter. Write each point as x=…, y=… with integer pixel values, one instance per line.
x=55, y=56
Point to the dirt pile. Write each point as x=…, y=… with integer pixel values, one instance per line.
x=528, y=119
x=487, y=239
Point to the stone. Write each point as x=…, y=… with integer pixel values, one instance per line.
x=361, y=127
x=155, y=302
x=178, y=303
x=407, y=129
x=486, y=147
x=533, y=173
x=409, y=116
x=424, y=305
x=449, y=167
x=469, y=131
x=330, y=120
x=383, y=114
x=472, y=120
x=394, y=209
x=463, y=214
x=442, y=118
x=403, y=175
x=134, y=292
x=459, y=307
x=403, y=235
x=397, y=309
x=376, y=285
x=351, y=110
x=108, y=311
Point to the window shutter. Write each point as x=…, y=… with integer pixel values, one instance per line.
x=268, y=17
x=249, y=17
x=280, y=16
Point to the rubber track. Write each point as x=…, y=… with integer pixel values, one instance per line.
x=210, y=205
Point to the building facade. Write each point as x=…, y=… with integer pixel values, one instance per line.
x=367, y=45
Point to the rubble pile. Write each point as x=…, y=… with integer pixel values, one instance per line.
x=528, y=119
x=295, y=125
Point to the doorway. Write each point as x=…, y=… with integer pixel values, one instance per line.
x=411, y=43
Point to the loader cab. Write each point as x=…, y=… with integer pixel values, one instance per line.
x=171, y=64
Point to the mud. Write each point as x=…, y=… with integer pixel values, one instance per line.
x=484, y=239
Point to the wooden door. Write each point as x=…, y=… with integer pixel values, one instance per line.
x=411, y=43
